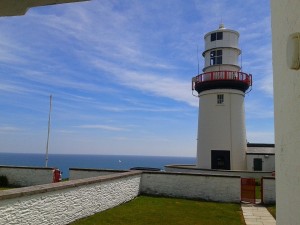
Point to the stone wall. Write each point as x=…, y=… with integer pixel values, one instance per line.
x=79, y=173
x=194, y=169
x=269, y=190
x=193, y=186
x=64, y=202
x=27, y=176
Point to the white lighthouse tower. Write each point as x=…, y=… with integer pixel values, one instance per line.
x=221, y=90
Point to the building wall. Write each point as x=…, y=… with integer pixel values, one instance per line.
x=27, y=176
x=229, y=56
x=269, y=190
x=268, y=162
x=230, y=39
x=285, y=21
x=193, y=186
x=222, y=127
x=64, y=202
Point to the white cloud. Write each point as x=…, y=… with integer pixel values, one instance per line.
x=6, y=87
x=102, y=127
x=179, y=90
x=8, y=129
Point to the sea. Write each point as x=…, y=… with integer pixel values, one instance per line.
x=66, y=161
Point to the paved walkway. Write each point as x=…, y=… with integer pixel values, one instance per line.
x=257, y=215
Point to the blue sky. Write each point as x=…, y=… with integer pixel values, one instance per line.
x=120, y=75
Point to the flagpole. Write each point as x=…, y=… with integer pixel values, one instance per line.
x=49, y=123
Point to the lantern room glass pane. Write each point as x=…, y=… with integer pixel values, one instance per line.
x=213, y=36
x=216, y=57
x=216, y=36
x=219, y=35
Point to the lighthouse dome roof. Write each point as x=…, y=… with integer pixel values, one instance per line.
x=222, y=29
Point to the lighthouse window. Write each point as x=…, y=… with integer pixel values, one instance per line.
x=216, y=36
x=216, y=57
x=220, y=99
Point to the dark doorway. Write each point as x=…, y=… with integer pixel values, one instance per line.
x=220, y=159
x=257, y=164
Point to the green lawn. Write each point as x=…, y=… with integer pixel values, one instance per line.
x=272, y=210
x=257, y=192
x=4, y=188
x=164, y=211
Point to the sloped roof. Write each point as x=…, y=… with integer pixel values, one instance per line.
x=260, y=149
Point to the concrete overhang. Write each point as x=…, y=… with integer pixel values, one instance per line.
x=20, y=7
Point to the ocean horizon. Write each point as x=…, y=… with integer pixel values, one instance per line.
x=66, y=161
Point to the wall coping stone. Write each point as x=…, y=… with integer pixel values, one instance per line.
x=193, y=167
x=191, y=174
x=269, y=178
x=27, y=167
x=32, y=190
x=92, y=169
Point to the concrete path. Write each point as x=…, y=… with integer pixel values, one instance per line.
x=257, y=215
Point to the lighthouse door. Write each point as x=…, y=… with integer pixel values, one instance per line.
x=220, y=159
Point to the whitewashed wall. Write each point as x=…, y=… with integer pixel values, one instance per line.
x=215, y=124
x=64, y=202
x=79, y=173
x=193, y=169
x=285, y=21
x=269, y=190
x=268, y=162
x=193, y=186
x=27, y=176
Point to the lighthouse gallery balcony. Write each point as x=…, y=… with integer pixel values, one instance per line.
x=222, y=80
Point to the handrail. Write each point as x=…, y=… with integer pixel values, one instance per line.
x=221, y=76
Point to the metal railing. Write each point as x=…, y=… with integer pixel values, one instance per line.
x=222, y=76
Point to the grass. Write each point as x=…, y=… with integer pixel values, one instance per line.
x=257, y=192
x=4, y=188
x=7, y=188
x=146, y=210
x=272, y=210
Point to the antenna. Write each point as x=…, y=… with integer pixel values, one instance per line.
x=221, y=24
x=49, y=123
x=241, y=59
x=198, y=58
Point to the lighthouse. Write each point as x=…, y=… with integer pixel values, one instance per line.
x=221, y=88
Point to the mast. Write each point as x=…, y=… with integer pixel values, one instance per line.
x=49, y=123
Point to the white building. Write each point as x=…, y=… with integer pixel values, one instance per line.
x=260, y=157
x=221, y=90
x=286, y=65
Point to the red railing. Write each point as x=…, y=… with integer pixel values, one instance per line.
x=222, y=75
